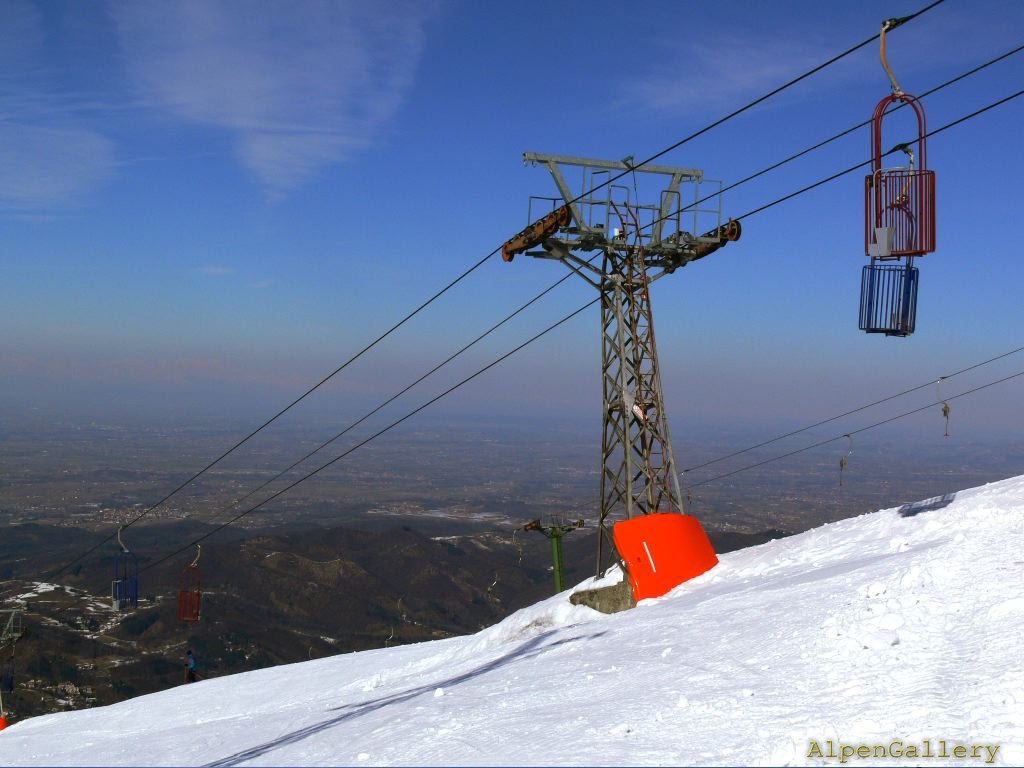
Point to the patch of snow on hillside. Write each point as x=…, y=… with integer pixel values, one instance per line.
x=38, y=588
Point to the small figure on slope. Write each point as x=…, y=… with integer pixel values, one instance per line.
x=190, y=668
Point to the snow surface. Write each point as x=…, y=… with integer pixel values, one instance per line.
x=40, y=588
x=901, y=625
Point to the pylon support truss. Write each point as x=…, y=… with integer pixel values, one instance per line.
x=638, y=469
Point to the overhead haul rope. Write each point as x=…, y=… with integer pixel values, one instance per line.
x=847, y=435
x=833, y=177
x=477, y=265
x=895, y=23
x=853, y=411
x=377, y=434
x=443, y=394
x=552, y=327
x=564, y=278
x=837, y=136
x=394, y=397
x=855, y=431
x=897, y=148
x=284, y=410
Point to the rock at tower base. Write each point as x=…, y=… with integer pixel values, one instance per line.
x=611, y=599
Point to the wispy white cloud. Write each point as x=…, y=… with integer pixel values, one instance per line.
x=46, y=157
x=40, y=166
x=737, y=63
x=700, y=78
x=297, y=86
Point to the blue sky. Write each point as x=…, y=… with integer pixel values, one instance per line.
x=206, y=206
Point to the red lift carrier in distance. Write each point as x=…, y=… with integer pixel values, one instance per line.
x=190, y=593
x=899, y=219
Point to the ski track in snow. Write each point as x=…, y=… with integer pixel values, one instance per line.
x=905, y=624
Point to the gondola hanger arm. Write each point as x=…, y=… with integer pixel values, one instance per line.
x=886, y=26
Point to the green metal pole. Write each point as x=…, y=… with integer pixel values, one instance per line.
x=556, y=556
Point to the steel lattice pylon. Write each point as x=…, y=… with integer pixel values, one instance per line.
x=10, y=626
x=638, y=471
x=637, y=464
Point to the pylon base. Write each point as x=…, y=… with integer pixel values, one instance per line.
x=611, y=599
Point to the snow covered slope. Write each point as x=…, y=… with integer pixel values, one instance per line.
x=902, y=629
